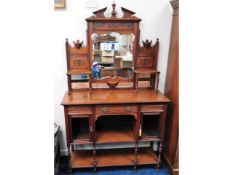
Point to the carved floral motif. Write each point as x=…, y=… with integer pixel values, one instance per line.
x=147, y=43
x=114, y=25
x=78, y=44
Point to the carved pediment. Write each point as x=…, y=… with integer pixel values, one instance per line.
x=100, y=13
x=127, y=14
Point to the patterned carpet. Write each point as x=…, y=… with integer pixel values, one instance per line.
x=142, y=170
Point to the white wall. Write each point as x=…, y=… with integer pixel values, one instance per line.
x=70, y=23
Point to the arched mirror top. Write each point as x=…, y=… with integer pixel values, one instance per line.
x=113, y=45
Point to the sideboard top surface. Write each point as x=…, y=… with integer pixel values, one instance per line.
x=110, y=96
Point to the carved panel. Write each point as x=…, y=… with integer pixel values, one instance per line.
x=78, y=62
x=145, y=62
x=112, y=26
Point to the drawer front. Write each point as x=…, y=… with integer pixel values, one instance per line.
x=79, y=110
x=152, y=108
x=116, y=109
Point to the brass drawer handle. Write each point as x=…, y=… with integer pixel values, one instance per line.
x=104, y=109
x=128, y=109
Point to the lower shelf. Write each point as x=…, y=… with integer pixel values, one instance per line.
x=105, y=158
x=114, y=136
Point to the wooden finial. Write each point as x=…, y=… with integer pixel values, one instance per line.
x=114, y=9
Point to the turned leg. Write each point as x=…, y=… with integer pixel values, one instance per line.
x=137, y=76
x=136, y=157
x=157, y=81
x=69, y=83
x=70, y=163
x=152, y=80
x=159, y=157
x=94, y=161
x=90, y=84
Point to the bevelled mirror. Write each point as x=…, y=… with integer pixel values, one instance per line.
x=113, y=45
x=112, y=55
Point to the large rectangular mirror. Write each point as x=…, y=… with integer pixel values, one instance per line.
x=112, y=55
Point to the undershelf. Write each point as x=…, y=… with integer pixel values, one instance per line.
x=105, y=158
x=114, y=136
x=150, y=135
x=149, y=138
x=82, y=138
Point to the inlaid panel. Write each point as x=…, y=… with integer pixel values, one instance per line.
x=112, y=26
x=78, y=62
x=145, y=62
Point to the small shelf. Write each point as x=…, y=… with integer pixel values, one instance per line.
x=80, y=130
x=150, y=127
x=145, y=137
x=105, y=158
x=112, y=129
x=82, y=159
x=82, y=138
x=114, y=136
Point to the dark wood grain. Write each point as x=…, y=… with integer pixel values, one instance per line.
x=109, y=96
x=172, y=91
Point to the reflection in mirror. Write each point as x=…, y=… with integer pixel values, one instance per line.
x=112, y=55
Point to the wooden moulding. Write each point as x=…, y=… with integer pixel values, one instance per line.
x=127, y=14
x=119, y=157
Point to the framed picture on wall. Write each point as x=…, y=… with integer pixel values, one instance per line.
x=58, y=4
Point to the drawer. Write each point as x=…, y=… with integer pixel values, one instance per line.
x=79, y=110
x=116, y=109
x=152, y=108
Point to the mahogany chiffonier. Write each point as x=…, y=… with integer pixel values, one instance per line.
x=117, y=119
